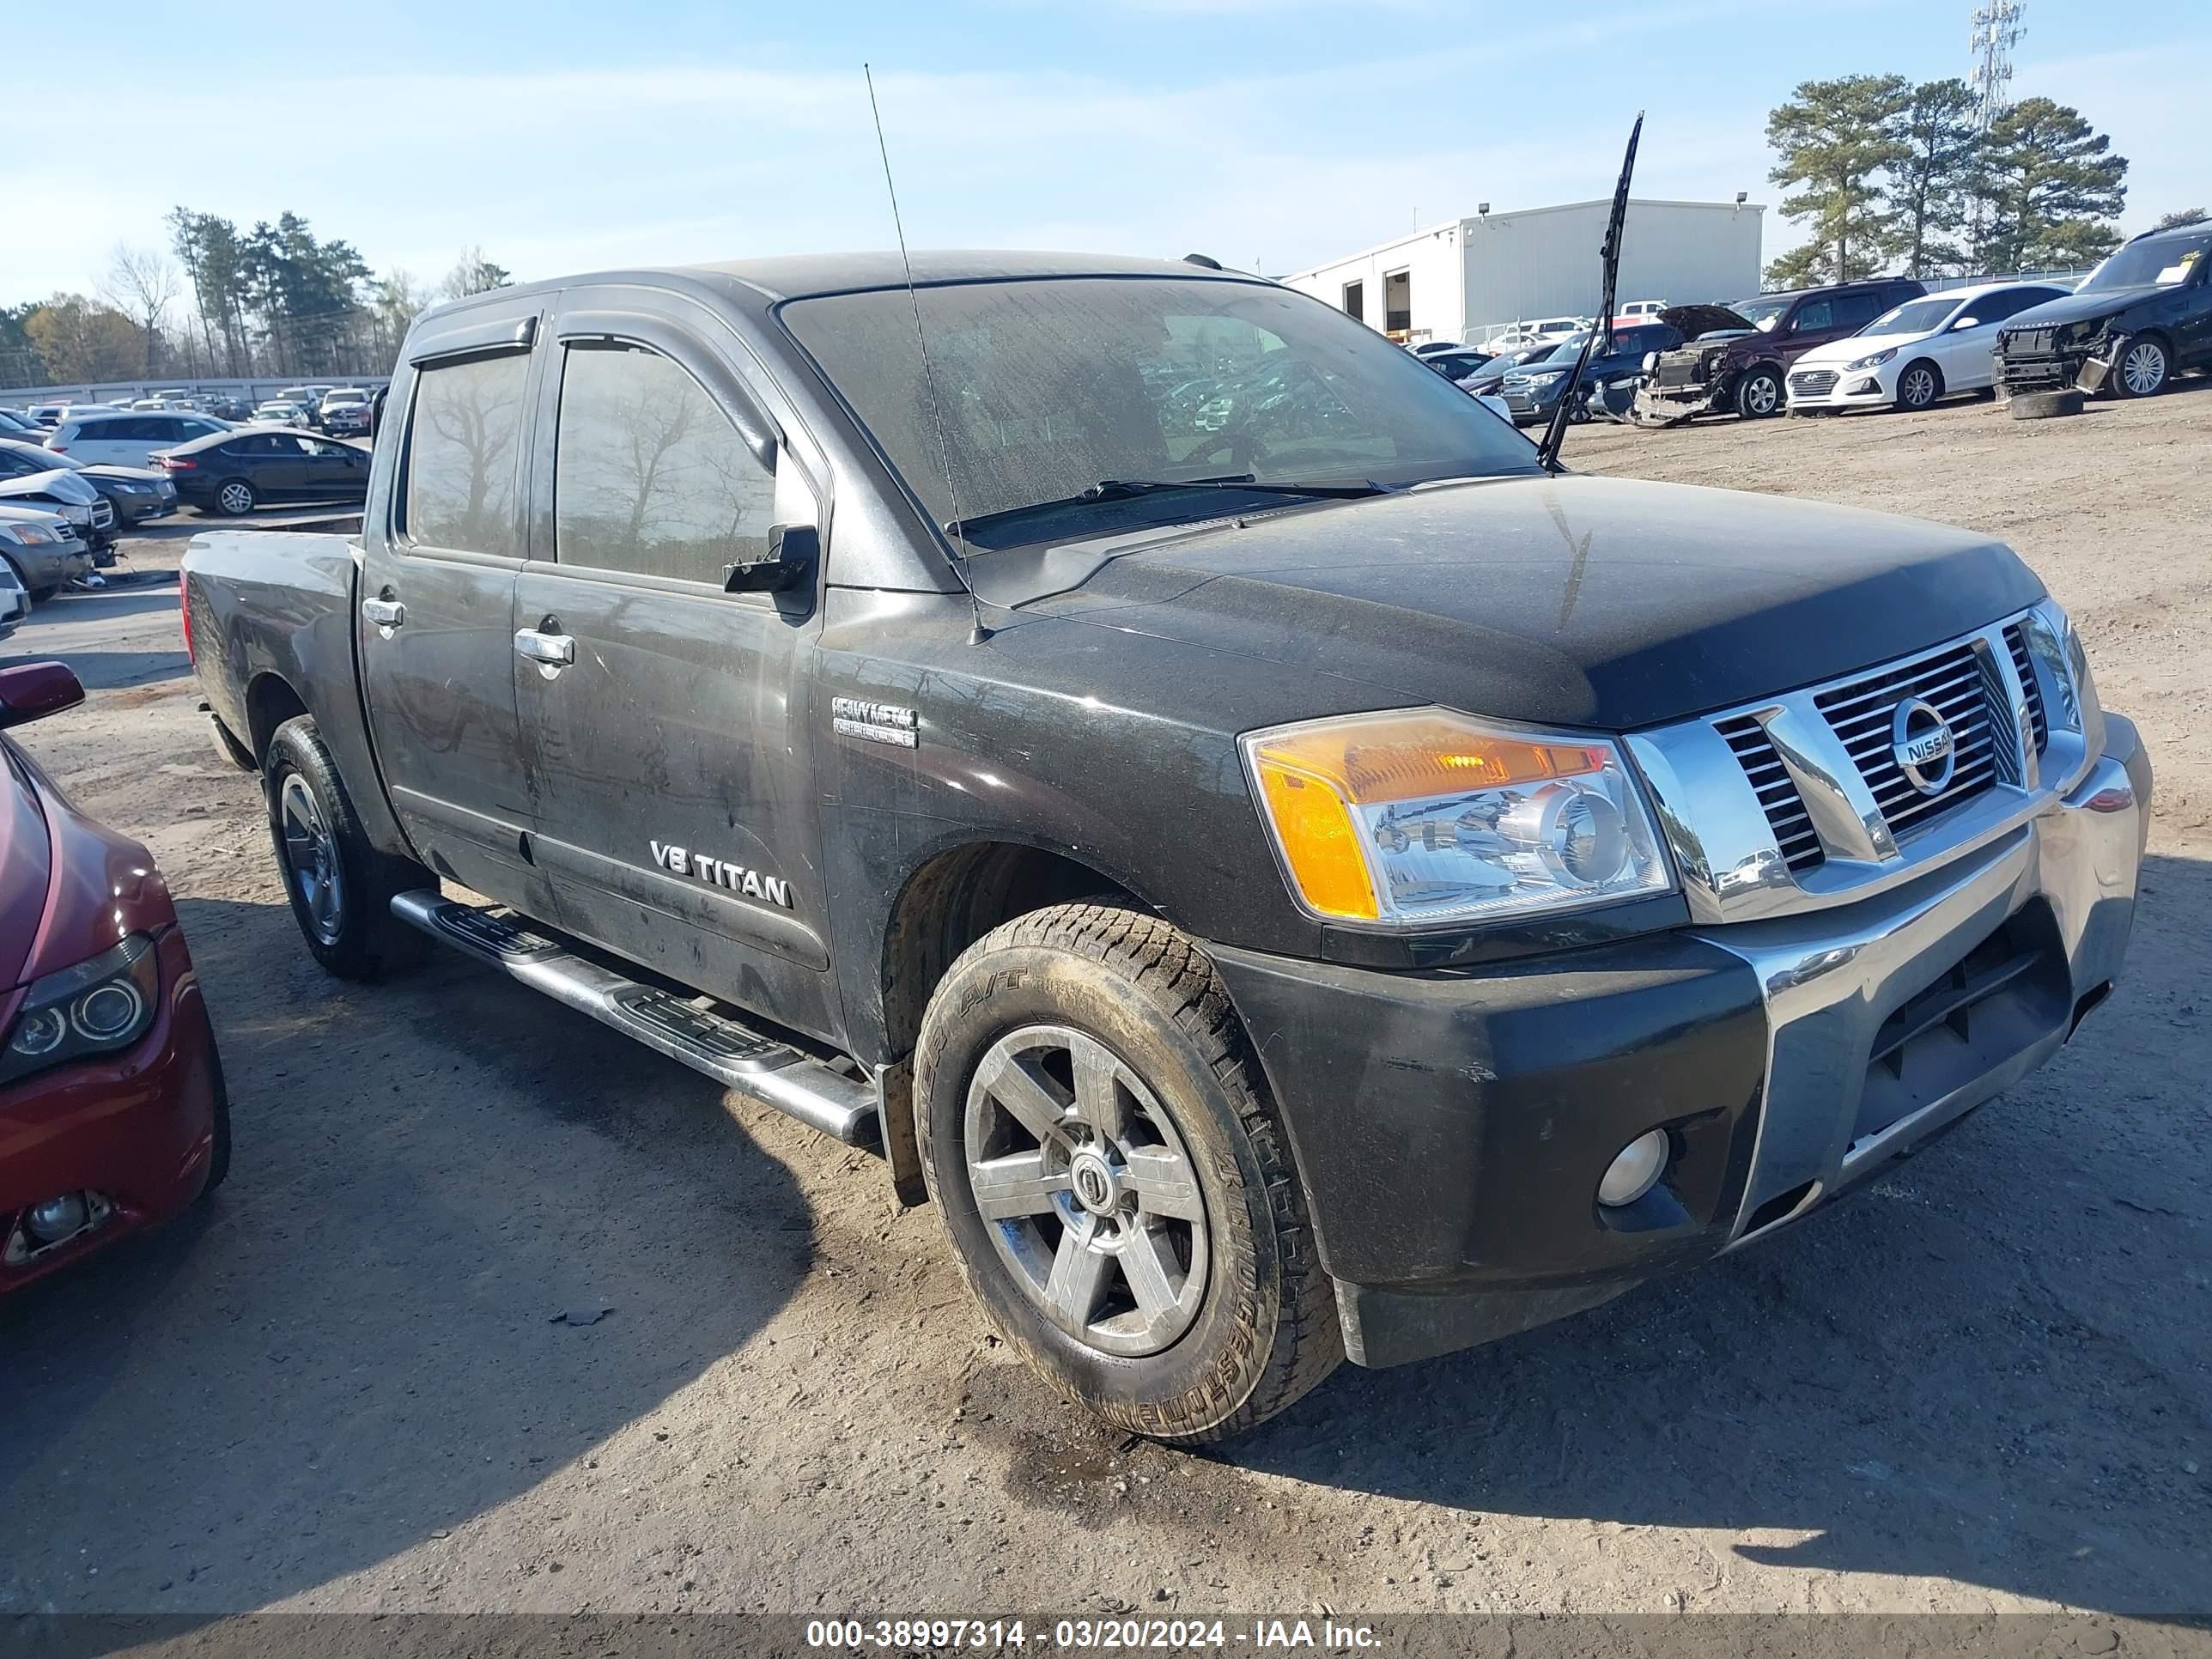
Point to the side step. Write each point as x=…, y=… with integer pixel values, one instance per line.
x=734, y=1054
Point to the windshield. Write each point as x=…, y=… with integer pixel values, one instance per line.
x=1050, y=388
x=1914, y=317
x=2148, y=264
x=1763, y=315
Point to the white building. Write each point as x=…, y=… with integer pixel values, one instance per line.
x=1450, y=281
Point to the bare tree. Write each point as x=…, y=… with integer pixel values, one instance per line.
x=142, y=283
x=474, y=274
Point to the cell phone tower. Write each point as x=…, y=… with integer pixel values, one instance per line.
x=1997, y=30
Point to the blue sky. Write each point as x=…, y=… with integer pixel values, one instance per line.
x=565, y=137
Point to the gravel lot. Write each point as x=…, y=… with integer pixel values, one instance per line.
x=1982, y=1386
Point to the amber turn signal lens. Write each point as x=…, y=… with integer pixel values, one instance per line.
x=1319, y=843
x=1413, y=756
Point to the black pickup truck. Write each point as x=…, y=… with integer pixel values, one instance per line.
x=1289, y=875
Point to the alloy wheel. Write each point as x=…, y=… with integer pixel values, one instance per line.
x=1088, y=1190
x=2144, y=369
x=236, y=498
x=1762, y=395
x=1918, y=389
x=311, y=855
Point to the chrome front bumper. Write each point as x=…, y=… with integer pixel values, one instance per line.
x=1834, y=979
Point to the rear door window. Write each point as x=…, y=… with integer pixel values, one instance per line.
x=462, y=450
x=1857, y=310
x=649, y=476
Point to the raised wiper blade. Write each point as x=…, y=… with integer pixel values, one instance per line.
x=1115, y=489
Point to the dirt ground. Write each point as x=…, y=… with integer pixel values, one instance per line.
x=1985, y=1385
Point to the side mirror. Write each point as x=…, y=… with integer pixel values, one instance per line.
x=794, y=550
x=34, y=691
x=1967, y=322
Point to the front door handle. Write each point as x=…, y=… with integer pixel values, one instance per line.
x=546, y=650
x=385, y=613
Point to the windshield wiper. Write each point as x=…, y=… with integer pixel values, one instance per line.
x=1120, y=489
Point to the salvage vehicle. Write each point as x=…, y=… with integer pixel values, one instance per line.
x=1285, y=889
x=2140, y=317
x=113, y=1112
x=1743, y=375
x=1914, y=354
x=1533, y=390
x=42, y=549
x=135, y=493
x=56, y=489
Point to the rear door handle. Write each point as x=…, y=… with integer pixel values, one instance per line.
x=547, y=650
x=385, y=613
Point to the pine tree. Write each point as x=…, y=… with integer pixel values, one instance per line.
x=1931, y=182
x=1835, y=137
x=2053, y=188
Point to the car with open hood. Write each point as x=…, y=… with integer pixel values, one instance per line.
x=1743, y=375
x=57, y=488
x=113, y=1112
x=135, y=493
x=1915, y=354
x=1289, y=871
x=2141, y=317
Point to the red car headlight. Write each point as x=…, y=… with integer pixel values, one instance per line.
x=94, y=1008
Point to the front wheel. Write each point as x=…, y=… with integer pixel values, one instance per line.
x=1097, y=1136
x=1919, y=388
x=1758, y=394
x=339, y=885
x=2144, y=369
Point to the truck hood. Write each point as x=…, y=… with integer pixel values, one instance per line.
x=1605, y=603
x=26, y=873
x=1694, y=320
x=2081, y=307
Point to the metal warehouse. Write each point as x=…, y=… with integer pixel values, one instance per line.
x=1453, y=280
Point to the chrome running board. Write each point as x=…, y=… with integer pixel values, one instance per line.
x=732, y=1053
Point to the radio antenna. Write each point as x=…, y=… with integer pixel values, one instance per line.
x=980, y=633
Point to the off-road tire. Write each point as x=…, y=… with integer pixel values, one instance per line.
x=1266, y=1333
x=1905, y=379
x=2047, y=406
x=1755, y=404
x=370, y=941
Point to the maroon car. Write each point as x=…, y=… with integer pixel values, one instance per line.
x=112, y=1114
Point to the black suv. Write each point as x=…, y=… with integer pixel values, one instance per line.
x=1744, y=374
x=2143, y=313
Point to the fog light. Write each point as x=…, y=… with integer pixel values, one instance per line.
x=1636, y=1170
x=56, y=1218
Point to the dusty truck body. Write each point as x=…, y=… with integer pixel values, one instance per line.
x=1287, y=875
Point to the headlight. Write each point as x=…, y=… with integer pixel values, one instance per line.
x=1427, y=817
x=1869, y=362
x=1547, y=376
x=27, y=535
x=94, y=1008
x=125, y=487
x=2055, y=646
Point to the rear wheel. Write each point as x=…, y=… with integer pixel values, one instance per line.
x=235, y=498
x=339, y=885
x=1919, y=386
x=1098, y=1139
x=1758, y=394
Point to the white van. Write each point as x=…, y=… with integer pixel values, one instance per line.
x=123, y=440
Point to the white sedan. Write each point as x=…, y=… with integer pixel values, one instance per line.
x=1914, y=353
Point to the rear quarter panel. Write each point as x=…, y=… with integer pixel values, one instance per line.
x=271, y=606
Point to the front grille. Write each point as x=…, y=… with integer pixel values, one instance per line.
x=1777, y=796
x=1813, y=383
x=2015, y=639
x=1860, y=713
x=1677, y=374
